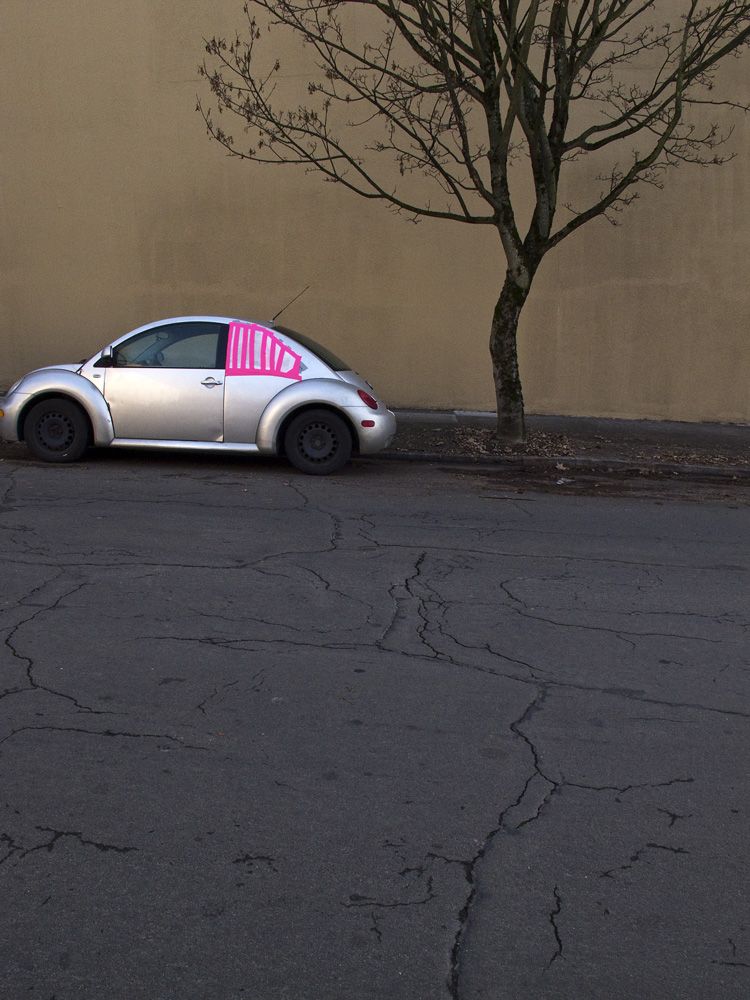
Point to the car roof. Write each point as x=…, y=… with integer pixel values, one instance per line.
x=186, y=319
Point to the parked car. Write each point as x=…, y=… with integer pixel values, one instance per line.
x=202, y=383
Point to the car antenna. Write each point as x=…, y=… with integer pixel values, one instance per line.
x=297, y=296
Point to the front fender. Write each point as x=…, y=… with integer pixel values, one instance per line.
x=71, y=385
x=309, y=392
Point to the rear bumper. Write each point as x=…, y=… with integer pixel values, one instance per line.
x=10, y=408
x=379, y=436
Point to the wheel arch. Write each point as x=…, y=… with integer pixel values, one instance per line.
x=40, y=398
x=75, y=389
x=334, y=395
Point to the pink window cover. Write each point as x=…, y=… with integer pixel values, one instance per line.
x=254, y=350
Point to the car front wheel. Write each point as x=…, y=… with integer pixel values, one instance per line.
x=56, y=430
x=318, y=442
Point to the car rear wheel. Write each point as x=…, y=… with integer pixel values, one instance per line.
x=56, y=430
x=318, y=442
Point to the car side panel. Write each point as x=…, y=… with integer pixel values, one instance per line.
x=245, y=399
x=57, y=381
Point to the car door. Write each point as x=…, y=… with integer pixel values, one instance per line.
x=167, y=383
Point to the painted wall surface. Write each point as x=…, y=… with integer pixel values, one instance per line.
x=118, y=210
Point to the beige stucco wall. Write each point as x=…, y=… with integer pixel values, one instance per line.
x=116, y=210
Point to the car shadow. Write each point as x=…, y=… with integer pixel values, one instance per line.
x=183, y=462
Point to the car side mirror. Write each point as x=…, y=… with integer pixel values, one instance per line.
x=107, y=360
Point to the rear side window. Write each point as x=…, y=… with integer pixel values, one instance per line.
x=326, y=356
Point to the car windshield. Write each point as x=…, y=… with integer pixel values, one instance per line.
x=326, y=356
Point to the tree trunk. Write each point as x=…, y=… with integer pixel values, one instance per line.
x=511, y=424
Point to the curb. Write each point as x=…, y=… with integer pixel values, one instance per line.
x=730, y=473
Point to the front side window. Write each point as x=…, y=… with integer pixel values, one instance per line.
x=178, y=345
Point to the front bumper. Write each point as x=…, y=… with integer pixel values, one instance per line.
x=377, y=437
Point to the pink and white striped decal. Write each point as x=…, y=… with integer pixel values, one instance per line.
x=254, y=350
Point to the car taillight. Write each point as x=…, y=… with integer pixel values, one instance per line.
x=367, y=399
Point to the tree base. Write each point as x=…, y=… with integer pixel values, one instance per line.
x=511, y=429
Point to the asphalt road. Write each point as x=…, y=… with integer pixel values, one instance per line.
x=403, y=733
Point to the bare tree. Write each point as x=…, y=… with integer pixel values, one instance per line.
x=445, y=103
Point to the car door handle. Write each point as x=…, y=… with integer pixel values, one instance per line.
x=210, y=382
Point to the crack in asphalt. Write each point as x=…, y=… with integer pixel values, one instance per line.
x=17, y=849
x=9, y=642
x=246, y=644
x=622, y=789
x=626, y=635
x=11, y=847
x=404, y=598
x=58, y=835
x=201, y=706
x=554, y=914
x=470, y=866
x=328, y=587
x=719, y=618
x=638, y=855
x=553, y=786
x=673, y=816
x=357, y=901
x=733, y=962
x=110, y=733
x=249, y=643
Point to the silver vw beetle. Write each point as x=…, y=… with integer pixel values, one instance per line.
x=204, y=383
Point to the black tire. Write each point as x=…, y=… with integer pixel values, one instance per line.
x=56, y=430
x=318, y=442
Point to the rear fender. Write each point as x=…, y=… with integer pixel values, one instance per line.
x=69, y=385
x=309, y=392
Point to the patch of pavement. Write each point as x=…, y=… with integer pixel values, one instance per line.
x=405, y=732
